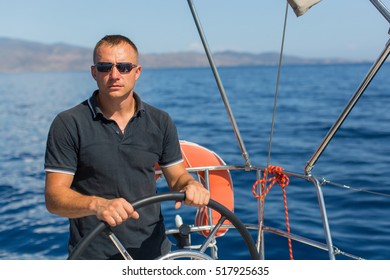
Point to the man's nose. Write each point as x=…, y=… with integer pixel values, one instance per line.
x=114, y=73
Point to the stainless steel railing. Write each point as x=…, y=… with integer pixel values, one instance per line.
x=260, y=227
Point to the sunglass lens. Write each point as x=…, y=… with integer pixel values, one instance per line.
x=104, y=66
x=124, y=67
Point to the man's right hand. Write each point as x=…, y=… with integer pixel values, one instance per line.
x=114, y=211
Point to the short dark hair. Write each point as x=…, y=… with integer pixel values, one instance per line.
x=113, y=40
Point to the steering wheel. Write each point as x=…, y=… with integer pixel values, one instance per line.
x=194, y=254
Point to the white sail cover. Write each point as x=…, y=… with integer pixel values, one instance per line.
x=301, y=6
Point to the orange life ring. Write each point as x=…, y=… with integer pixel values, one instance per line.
x=220, y=182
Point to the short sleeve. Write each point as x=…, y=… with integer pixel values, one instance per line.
x=61, y=147
x=171, y=154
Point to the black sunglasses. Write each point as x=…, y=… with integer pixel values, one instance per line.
x=123, y=67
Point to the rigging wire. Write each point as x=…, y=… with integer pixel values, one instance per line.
x=265, y=177
x=277, y=86
x=323, y=181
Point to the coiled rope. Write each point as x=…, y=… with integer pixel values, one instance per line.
x=283, y=181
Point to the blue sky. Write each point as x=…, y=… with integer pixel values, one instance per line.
x=351, y=29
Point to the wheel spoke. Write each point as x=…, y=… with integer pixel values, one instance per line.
x=208, y=240
x=119, y=246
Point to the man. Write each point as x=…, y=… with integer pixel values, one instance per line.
x=101, y=154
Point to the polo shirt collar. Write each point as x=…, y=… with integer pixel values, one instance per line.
x=96, y=111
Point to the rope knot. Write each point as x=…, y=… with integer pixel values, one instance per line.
x=283, y=181
x=279, y=177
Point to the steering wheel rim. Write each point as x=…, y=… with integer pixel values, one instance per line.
x=177, y=196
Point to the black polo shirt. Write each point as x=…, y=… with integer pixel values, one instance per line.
x=110, y=164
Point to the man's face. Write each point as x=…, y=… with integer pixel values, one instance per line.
x=114, y=83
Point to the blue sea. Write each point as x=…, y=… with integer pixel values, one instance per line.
x=310, y=98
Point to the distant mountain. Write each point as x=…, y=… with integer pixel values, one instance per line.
x=227, y=58
x=24, y=56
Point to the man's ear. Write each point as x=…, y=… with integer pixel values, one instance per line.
x=93, y=72
x=138, y=72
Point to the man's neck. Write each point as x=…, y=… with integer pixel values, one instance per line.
x=120, y=109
